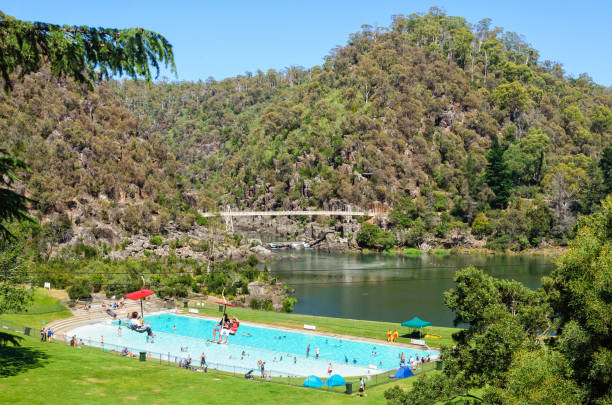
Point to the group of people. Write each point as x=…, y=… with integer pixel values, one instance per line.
x=317, y=352
x=112, y=306
x=412, y=362
x=46, y=335
x=225, y=327
x=392, y=337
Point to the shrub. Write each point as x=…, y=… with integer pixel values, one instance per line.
x=97, y=280
x=202, y=221
x=83, y=251
x=254, y=303
x=289, y=303
x=252, y=261
x=79, y=290
x=480, y=225
x=156, y=240
x=441, y=252
x=371, y=236
x=440, y=203
x=501, y=242
x=264, y=304
x=412, y=252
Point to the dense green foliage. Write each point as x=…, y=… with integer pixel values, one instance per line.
x=371, y=236
x=168, y=277
x=509, y=352
x=435, y=118
x=83, y=53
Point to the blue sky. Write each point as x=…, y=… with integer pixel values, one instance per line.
x=223, y=38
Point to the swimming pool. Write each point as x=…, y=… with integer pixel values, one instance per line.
x=284, y=352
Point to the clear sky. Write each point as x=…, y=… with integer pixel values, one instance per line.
x=226, y=38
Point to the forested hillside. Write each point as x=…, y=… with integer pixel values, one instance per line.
x=459, y=129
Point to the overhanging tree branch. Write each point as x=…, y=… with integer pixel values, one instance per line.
x=84, y=53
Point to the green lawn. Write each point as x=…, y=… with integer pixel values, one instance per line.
x=369, y=329
x=43, y=373
x=46, y=373
x=45, y=308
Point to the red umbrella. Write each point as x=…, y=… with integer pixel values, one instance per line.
x=226, y=304
x=139, y=295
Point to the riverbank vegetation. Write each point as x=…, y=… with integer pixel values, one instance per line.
x=556, y=341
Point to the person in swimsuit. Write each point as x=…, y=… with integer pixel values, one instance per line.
x=219, y=327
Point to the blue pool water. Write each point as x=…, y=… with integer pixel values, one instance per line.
x=284, y=352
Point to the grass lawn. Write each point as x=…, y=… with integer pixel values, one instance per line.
x=44, y=373
x=369, y=329
x=46, y=308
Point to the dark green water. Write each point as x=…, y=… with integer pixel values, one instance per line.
x=389, y=287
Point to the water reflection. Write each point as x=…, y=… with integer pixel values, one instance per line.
x=389, y=287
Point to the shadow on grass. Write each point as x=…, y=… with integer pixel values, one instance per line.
x=16, y=360
x=414, y=335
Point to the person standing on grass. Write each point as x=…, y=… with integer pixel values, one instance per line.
x=395, y=336
x=389, y=335
x=362, y=385
x=42, y=334
x=49, y=335
x=203, y=360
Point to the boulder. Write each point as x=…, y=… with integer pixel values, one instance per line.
x=256, y=288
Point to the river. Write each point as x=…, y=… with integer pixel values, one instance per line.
x=387, y=287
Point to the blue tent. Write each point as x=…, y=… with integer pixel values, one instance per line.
x=313, y=381
x=335, y=380
x=403, y=372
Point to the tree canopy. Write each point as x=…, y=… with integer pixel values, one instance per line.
x=84, y=53
x=509, y=353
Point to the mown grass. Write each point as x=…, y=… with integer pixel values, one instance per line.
x=45, y=308
x=42, y=373
x=352, y=327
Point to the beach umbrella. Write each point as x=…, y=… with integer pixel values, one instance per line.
x=139, y=295
x=335, y=380
x=225, y=305
x=313, y=381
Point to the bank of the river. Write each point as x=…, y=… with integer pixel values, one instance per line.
x=552, y=252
